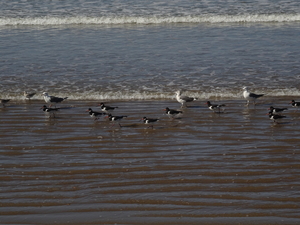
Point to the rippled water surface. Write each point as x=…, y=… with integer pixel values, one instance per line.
x=147, y=50
x=233, y=167
x=236, y=167
x=138, y=63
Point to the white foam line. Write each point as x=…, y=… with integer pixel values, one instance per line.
x=48, y=20
x=115, y=95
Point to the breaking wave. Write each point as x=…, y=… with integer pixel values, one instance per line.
x=203, y=94
x=115, y=20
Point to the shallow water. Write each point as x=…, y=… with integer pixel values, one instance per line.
x=236, y=167
x=146, y=62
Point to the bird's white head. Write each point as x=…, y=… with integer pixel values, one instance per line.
x=178, y=92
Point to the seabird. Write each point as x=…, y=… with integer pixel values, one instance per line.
x=94, y=114
x=213, y=107
x=106, y=108
x=275, y=117
x=29, y=95
x=295, y=104
x=183, y=99
x=4, y=101
x=172, y=112
x=49, y=111
x=148, y=121
x=250, y=96
x=276, y=110
x=115, y=118
x=52, y=99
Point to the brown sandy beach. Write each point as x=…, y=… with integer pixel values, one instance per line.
x=236, y=167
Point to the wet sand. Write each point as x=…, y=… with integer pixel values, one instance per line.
x=236, y=167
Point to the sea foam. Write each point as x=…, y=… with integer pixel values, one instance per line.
x=201, y=94
x=115, y=20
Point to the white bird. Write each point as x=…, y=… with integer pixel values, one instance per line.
x=52, y=99
x=183, y=99
x=250, y=96
x=29, y=95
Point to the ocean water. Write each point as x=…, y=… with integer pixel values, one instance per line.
x=149, y=49
x=236, y=167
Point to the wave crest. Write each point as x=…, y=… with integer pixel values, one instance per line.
x=203, y=94
x=115, y=20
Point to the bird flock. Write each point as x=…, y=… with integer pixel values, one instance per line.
x=274, y=114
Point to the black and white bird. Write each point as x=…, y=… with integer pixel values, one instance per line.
x=149, y=121
x=277, y=110
x=52, y=99
x=94, y=114
x=115, y=118
x=275, y=117
x=215, y=107
x=106, y=108
x=295, y=104
x=29, y=95
x=183, y=99
x=49, y=111
x=250, y=96
x=4, y=101
x=172, y=112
